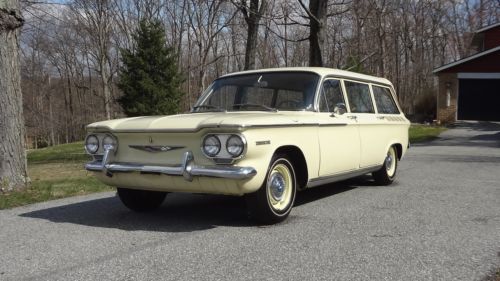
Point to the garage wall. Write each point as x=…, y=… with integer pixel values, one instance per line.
x=447, y=114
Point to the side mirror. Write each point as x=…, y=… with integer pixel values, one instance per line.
x=339, y=109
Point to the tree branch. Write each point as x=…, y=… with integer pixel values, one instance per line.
x=311, y=16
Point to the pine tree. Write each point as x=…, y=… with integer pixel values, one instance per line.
x=149, y=78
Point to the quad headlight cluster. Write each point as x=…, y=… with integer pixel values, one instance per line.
x=94, y=141
x=223, y=145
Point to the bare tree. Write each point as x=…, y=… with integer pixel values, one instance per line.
x=207, y=20
x=252, y=13
x=95, y=17
x=13, y=171
x=318, y=13
x=75, y=47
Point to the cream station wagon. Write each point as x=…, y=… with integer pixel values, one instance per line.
x=262, y=134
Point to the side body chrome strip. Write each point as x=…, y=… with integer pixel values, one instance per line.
x=342, y=176
x=229, y=126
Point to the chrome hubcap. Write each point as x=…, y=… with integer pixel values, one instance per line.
x=388, y=162
x=277, y=186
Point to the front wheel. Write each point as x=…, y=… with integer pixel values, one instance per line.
x=387, y=173
x=274, y=200
x=141, y=200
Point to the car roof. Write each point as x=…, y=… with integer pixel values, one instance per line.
x=322, y=71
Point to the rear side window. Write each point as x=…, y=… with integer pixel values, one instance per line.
x=331, y=95
x=359, y=97
x=385, y=102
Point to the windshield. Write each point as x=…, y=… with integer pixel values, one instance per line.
x=267, y=91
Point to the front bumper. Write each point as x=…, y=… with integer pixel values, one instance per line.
x=187, y=169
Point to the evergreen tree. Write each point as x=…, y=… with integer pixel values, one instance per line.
x=149, y=78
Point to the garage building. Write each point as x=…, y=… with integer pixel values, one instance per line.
x=469, y=89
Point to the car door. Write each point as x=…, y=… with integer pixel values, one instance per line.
x=371, y=134
x=338, y=135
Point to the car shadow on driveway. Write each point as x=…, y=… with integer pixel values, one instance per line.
x=179, y=213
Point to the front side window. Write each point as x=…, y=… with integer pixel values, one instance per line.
x=331, y=95
x=292, y=91
x=383, y=99
x=359, y=97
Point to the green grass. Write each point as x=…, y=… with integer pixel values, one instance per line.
x=45, y=190
x=58, y=153
x=420, y=133
x=55, y=172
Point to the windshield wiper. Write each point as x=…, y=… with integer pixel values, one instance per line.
x=267, y=108
x=207, y=106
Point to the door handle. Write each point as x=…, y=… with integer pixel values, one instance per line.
x=353, y=117
x=381, y=117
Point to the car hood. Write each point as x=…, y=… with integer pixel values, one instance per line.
x=196, y=121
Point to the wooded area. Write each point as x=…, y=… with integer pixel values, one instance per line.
x=70, y=51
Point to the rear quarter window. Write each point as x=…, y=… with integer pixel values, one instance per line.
x=384, y=100
x=358, y=94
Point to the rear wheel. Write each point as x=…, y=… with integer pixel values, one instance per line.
x=387, y=173
x=273, y=202
x=141, y=200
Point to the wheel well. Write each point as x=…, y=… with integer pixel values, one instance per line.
x=399, y=150
x=299, y=163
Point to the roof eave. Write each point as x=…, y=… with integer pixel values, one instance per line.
x=464, y=60
x=488, y=27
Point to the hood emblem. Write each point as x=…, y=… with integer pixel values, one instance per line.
x=155, y=148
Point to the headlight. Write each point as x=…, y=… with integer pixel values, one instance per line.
x=211, y=145
x=109, y=143
x=235, y=145
x=91, y=144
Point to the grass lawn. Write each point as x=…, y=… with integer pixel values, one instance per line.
x=73, y=152
x=57, y=172
x=420, y=133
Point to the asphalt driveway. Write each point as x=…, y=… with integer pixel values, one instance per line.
x=440, y=221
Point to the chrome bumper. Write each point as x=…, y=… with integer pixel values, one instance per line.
x=187, y=169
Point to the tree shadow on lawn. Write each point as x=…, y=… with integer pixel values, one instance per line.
x=179, y=213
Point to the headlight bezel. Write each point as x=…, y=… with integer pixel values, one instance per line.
x=203, y=145
x=114, y=142
x=89, y=151
x=102, y=140
x=241, y=140
x=224, y=156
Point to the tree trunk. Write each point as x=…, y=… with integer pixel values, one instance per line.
x=13, y=171
x=105, y=75
x=251, y=47
x=317, y=22
x=252, y=18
